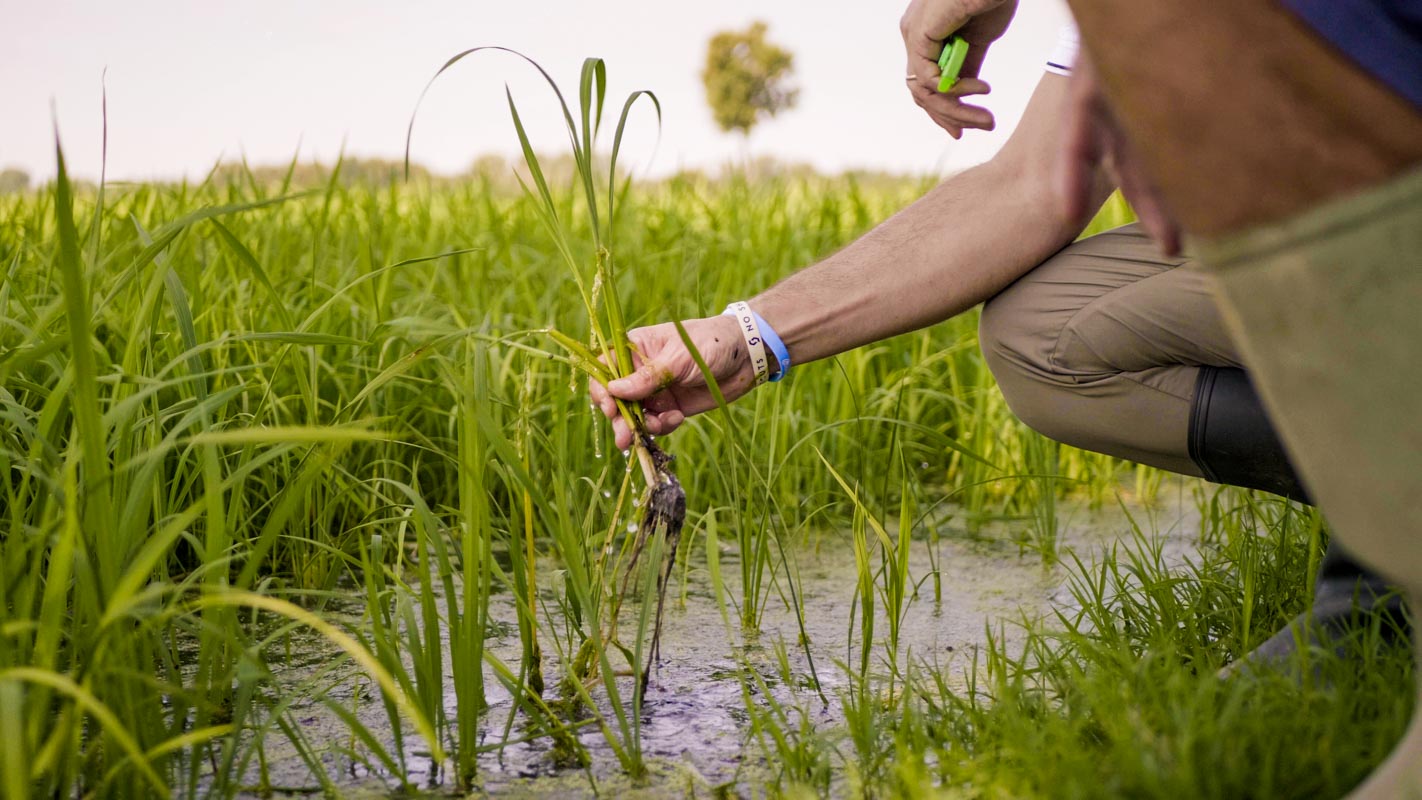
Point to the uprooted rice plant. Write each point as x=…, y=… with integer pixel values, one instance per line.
x=302, y=495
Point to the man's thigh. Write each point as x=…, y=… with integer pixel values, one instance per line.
x=1100, y=347
x=1111, y=304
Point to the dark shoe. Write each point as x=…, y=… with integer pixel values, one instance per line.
x=1347, y=601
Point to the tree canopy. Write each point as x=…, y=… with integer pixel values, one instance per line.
x=747, y=78
x=13, y=180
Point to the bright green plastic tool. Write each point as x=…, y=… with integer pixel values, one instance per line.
x=950, y=63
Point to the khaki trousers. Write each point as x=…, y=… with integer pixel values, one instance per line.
x=1100, y=347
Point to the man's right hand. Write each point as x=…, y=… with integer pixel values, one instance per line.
x=667, y=380
x=925, y=26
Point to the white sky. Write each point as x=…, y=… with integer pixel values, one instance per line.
x=192, y=82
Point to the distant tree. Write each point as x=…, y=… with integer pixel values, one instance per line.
x=747, y=78
x=13, y=180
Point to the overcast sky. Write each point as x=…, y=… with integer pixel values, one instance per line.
x=193, y=82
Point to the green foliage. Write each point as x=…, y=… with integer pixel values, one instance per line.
x=1117, y=694
x=747, y=78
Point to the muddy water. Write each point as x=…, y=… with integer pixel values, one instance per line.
x=695, y=725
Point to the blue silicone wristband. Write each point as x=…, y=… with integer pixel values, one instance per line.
x=777, y=347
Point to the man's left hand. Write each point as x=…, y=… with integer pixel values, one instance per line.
x=925, y=26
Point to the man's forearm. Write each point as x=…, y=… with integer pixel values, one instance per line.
x=953, y=248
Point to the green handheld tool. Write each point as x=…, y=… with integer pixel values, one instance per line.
x=950, y=63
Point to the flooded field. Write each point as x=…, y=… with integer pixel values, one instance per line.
x=695, y=727
x=310, y=500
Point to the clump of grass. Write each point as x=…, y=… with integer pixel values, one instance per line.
x=608, y=355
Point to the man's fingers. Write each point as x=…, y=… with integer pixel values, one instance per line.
x=968, y=86
x=946, y=108
x=1164, y=231
x=664, y=422
x=954, y=130
x=971, y=116
x=646, y=380
x=669, y=421
x=924, y=69
x=600, y=398
x=1144, y=198
x=659, y=402
x=949, y=105
x=700, y=402
x=966, y=116
x=656, y=408
x=943, y=121
x=621, y=433
x=1155, y=218
x=953, y=115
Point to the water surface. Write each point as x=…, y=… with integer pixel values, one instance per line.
x=696, y=732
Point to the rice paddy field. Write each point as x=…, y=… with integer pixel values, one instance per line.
x=302, y=495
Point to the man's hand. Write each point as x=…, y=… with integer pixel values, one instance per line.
x=925, y=26
x=667, y=381
x=1094, y=138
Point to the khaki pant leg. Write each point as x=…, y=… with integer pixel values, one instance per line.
x=1099, y=347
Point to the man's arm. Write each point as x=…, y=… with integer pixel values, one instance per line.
x=956, y=246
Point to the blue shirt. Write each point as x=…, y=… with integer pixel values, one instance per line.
x=1384, y=37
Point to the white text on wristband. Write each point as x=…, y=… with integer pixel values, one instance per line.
x=751, y=331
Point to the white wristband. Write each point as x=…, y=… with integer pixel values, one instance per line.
x=751, y=331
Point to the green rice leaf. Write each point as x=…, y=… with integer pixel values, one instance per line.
x=91, y=705
x=300, y=338
x=342, y=640
x=284, y=434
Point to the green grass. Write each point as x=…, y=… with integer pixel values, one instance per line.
x=1120, y=697
x=229, y=407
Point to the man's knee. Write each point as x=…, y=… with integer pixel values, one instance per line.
x=1018, y=353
